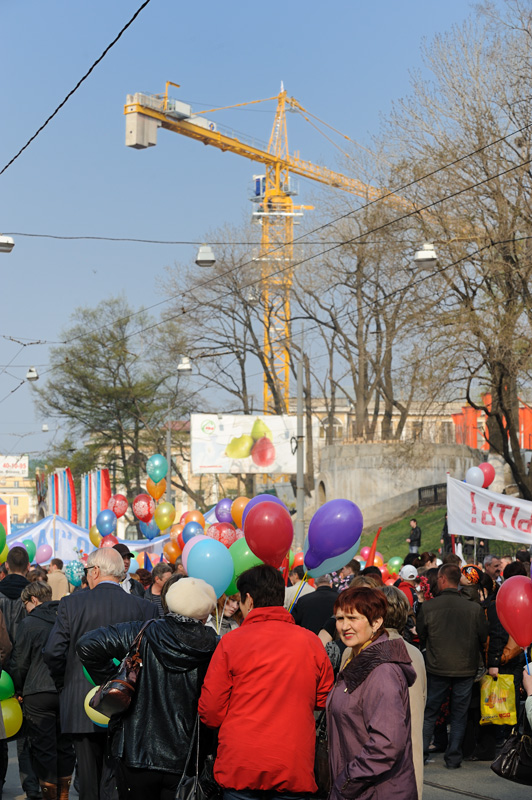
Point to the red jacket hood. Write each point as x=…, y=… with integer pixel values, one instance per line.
x=269, y=614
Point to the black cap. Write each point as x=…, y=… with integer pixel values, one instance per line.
x=123, y=549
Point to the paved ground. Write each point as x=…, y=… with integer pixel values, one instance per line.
x=473, y=779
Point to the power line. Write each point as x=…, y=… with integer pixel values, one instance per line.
x=76, y=87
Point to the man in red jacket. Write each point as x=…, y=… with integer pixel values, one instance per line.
x=262, y=675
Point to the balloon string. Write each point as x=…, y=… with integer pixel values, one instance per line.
x=527, y=664
x=294, y=601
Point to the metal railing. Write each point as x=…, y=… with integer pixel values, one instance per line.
x=432, y=495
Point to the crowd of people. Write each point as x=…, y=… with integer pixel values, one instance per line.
x=237, y=683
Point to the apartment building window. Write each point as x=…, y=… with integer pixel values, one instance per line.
x=15, y=501
x=16, y=484
x=15, y=519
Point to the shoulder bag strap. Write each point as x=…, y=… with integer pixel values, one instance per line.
x=135, y=645
x=190, y=747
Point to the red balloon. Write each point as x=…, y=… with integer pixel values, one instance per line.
x=118, y=503
x=180, y=541
x=223, y=532
x=390, y=582
x=109, y=541
x=143, y=507
x=385, y=574
x=182, y=518
x=489, y=473
x=269, y=532
x=514, y=608
x=299, y=560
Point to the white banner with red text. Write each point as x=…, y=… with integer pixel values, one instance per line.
x=486, y=515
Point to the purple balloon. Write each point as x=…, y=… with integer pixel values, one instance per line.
x=16, y=544
x=260, y=498
x=223, y=510
x=334, y=528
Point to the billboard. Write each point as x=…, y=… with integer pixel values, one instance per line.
x=233, y=443
x=14, y=466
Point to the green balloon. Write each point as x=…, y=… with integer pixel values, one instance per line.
x=3, y=537
x=7, y=688
x=394, y=564
x=243, y=559
x=29, y=544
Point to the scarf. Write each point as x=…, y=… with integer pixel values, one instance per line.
x=384, y=652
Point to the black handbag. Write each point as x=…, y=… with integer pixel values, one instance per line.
x=515, y=760
x=114, y=696
x=322, y=774
x=189, y=787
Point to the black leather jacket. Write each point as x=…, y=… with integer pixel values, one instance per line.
x=27, y=668
x=155, y=732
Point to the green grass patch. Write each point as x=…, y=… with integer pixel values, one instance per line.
x=392, y=539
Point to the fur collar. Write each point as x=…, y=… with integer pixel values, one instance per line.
x=383, y=651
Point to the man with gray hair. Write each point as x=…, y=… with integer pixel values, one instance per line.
x=492, y=567
x=105, y=604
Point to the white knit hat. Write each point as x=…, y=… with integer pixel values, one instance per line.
x=191, y=597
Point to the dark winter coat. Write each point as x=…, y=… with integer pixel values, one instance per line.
x=498, y=639
x=156, y=731
x=78, y=613
x=415, y=536
x=27, y=668
x=453, y=630
x=11, y=605
x=368, y=718
x=313, y=610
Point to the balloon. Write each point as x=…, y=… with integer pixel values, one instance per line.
x=364, y=553
x=239, y=533
x=74, y=572
x=269, y=532
x=29, y=544
x=475, y=477
x=332, y=564
x=88, y=677
x=4, y=553
x=156, y=490
x=181, y=541
x=149, y=529
x=514, y=608
x=3, y=537
x=334, y=529
x=106, y=522
x=143, y=507
x=390, y=581
x=237, y=509
x=95, y=536
x=384, y=572
x=171, y=551
x=157, y=467
x=44, y=553
x=243, y=559
x=118, y=503
x=291, y=556
x=394, y=564
x=164, y=515
x=260, y=498
x=191, y=529
x=488, y=471
x=7, y=688
x=194, y=516
x=175, y=531
x=12, y=714
x=182, y=518
x=211, y=561
x=223, y=510
x=188, y=547
x=223, y=532
x=99, y=719
x=378, y=560
x=108, y=541
x=299, y=559
x=133, y=567
x=16, y=544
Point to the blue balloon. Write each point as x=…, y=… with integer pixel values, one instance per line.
x=74, y=572
x=149, y=529
x=134, y=566
x=331, y=564
x=260, y=498
x=334, y=529
x=192, y=529
x=106, y=522
x=211, y=561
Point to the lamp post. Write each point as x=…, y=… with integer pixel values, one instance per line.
x=6, y=244
x=183, y=366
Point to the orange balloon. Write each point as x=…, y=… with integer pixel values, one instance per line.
x=156, y=490
x=194, y=516
x=171, y=551
x=237, y=509
x=175, y=531
x=378, y=562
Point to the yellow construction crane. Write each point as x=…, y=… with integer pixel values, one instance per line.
x=274, y=208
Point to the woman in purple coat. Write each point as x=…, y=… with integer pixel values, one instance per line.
x=368, y=711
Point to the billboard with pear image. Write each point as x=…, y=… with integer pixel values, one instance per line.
x=238, y=443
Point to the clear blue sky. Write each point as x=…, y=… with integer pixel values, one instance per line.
x=346, y=62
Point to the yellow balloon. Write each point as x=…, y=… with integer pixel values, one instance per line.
x=95, y=536
x=12, y=714
x=164, y=515
x=3, y=554
x=99, y=719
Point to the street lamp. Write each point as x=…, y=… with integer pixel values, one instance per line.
x=32, y=375
x=426, y=257
x=184, y=364
x=205, y=257
x=6, y=244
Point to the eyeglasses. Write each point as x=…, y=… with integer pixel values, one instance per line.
x=86, y=569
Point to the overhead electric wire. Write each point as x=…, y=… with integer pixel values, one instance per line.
x=76, y=87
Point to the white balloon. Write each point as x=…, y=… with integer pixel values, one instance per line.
x=475, y=476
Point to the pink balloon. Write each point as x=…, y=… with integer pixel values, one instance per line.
x=118, y=503
x=239, y=533
x=44, y=553
x=489, y=473
x=188, y=547
x=223, y=532
x=364, y=553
